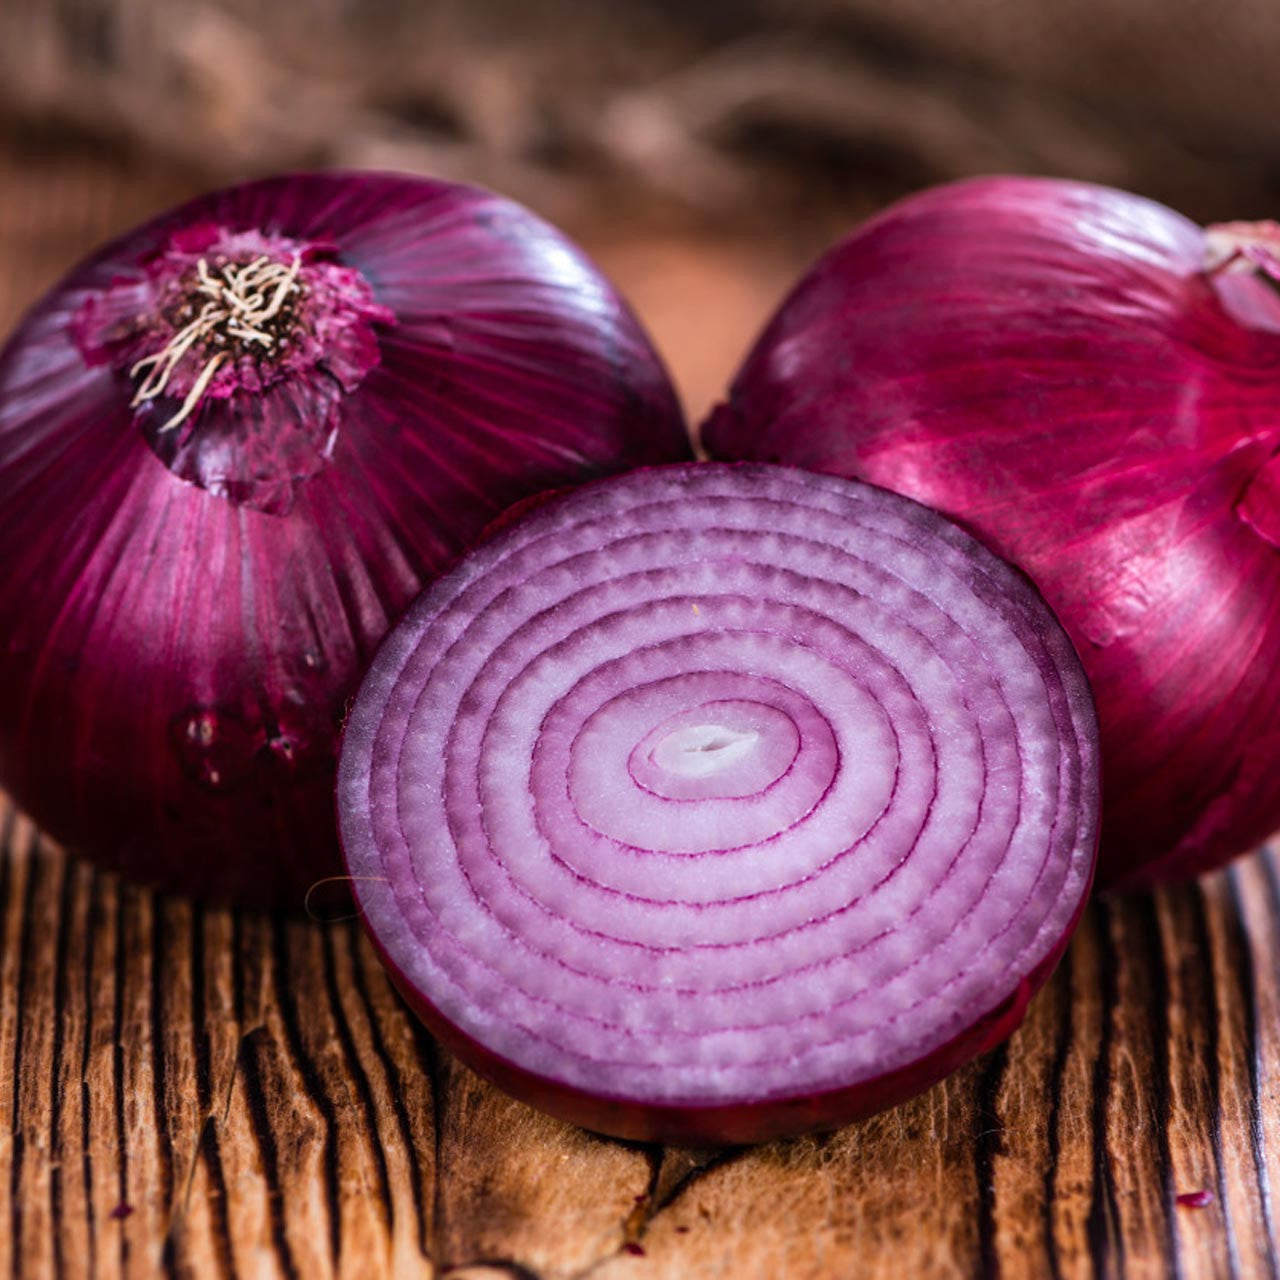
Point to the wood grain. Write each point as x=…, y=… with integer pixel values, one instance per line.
x=196, y=1093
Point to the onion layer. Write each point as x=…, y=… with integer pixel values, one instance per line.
x=714, y=803
x=1090, y=383
x=234, y=445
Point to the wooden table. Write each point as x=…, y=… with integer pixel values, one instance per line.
x=199, y=1093
x=192, y=1092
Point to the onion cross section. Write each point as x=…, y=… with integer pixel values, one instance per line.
x=713, y=803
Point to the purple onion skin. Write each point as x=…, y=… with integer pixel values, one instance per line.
x=748, y=1122
x=1048, y=363
x=184, y=614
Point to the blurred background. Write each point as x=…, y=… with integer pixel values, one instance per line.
x=703, y=150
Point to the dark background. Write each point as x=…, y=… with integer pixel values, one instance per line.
x=703, y=149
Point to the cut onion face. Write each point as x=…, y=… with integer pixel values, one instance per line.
x=716, y=803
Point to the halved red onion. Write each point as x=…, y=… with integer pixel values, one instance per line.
x=713, y=803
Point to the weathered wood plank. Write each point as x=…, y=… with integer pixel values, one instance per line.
x=195, y=1093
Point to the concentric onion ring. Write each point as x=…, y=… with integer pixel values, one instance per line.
x=712, y=803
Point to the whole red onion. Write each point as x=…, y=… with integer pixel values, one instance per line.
x=714, y=803
x=234, y=444
x=1091, y=383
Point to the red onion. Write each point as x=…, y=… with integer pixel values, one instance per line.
x=712, y=803
x=234, y=444
x=1091, y=384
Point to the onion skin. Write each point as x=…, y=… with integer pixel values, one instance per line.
x=184, y=614
x=527, y=770
x=744, y=1122
x=1049, y=363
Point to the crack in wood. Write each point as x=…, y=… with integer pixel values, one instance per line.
x=987, y=1146
x=214, y=1119
x=1064, y=982
x=355, y=1084
x=1249, y=996
x=476, y=1269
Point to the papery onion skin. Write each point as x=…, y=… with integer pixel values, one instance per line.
x=1050, y=364
x=185, y=611
x=610, y=926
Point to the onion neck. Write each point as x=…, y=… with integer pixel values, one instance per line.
x=237, y=310
x=1240, y=248
x=1242, y=265
x=238, y=349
